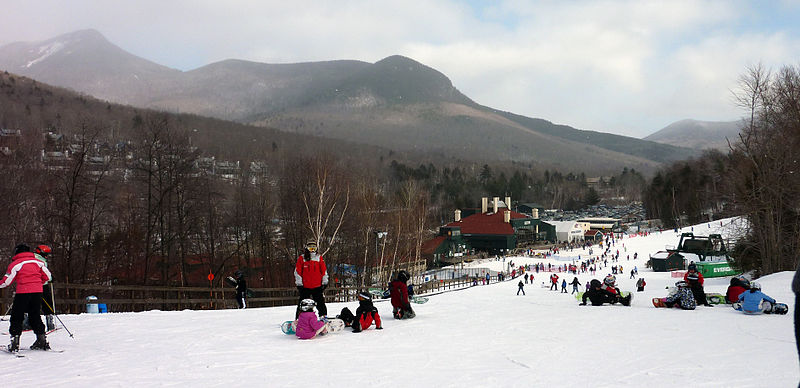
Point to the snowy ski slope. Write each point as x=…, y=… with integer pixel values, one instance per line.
x=484, y=336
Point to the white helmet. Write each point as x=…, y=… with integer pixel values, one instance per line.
x=307, y=305
x=755, y=286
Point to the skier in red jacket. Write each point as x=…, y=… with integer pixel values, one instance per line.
x=311, y=278
x=29, y=274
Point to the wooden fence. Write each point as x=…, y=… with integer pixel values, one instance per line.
x=72, y=298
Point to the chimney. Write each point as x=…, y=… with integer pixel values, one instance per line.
x=508, y=202
x=507, y=216
x=495, y=201
x=458, y=215
x=535, y=213
x=484, y=204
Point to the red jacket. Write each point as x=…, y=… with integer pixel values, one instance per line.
x=554, y=278
x=310, y=273
x=734, y=292
x=28, y=272
x=699, y=278
x=399, y=293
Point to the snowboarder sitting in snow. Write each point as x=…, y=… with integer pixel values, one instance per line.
x=753, y=302
x=401, y=308
x=739, y=284
x=681, y=296
x=308, y=326
x=597, y=294
x=366, y=313
x=610, y=285
x=695, y=281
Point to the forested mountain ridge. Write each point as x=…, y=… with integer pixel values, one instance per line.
x=395, y=103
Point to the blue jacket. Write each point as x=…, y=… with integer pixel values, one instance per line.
x=752, y=300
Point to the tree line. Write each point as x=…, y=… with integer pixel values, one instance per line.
x=758, y=178
x=133, y=204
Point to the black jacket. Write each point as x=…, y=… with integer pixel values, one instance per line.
x=598, y=297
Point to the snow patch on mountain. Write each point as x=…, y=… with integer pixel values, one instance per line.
x=46, y=51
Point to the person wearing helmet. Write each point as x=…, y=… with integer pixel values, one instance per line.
x=366, y=313
x=311, y=277
x=597, y=294
x=42, y=252
x=695, y=281
x=610, y=286
x=241, y=289
x=681, y=296
x=29, y=274
x=754, y=301
x=739, y=284
x=398, y=291
x=307, y=324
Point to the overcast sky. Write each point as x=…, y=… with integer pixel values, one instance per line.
x=625, y=67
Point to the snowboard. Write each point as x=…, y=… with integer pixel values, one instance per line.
x=659, y=302
x=379, y=293
x=335, y=325
x=779, y=308
x=715, y=298
x=419, y=299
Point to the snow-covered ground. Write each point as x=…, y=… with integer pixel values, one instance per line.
x=484, y=336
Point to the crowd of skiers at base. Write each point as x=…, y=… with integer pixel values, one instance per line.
x=28, y=269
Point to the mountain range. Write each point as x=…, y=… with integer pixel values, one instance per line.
x=396, y=103
x=698, y=134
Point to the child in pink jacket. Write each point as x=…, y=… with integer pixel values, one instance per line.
x=307, y=324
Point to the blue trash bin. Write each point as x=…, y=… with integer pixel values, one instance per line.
x=102, y=308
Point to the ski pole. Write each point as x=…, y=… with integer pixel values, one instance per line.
x=9, y=309
x=59, y=319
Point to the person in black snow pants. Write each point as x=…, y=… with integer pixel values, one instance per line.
x=241, y=289
x=521, y=288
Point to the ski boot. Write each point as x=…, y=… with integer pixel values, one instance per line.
x=50, y=323
x=14, y=345
x=41, y=343
x=356, y=327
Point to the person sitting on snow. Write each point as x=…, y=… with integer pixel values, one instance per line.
x=366, y=313
x=610, y=285
x=681, y=296
x=754, y=301
x=739, y=284
x=401, y=308
x=597, y=294
x=308, y=326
